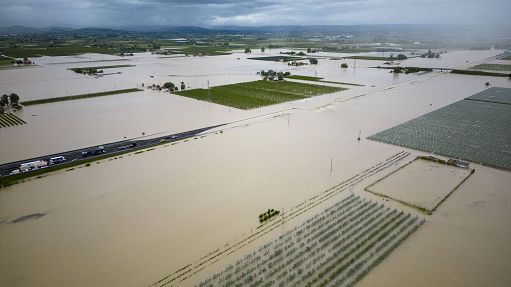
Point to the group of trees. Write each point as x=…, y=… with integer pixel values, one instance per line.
x=344, y=65
x=309, y=50
x=272, y=75
x=295, y=63
x=430, y=54
x=12, y=98
x=171, y=87
x=401, y=57
x=87, y=71
x=409, y=70
x=313, y=61
x=25, y=61
x=248, y=51
x=293, y=53
x=267, y=215
x=125, y=54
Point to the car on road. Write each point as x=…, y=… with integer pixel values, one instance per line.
x=128, y=146
x=92, y=152
x=57, y=159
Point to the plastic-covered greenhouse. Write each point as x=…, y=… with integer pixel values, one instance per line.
x=477, y=129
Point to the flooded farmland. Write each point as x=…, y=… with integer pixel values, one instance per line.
x=131, y=220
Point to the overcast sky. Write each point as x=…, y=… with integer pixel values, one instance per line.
x=207, y=13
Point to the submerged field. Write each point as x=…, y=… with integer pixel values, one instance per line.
x=278, y=58
x=258, y=94
x=492, y=67
x=372, y=58
x=78, y=97
x=423, y=184
x=334, y=248
x=102, y=67
x=318, y=79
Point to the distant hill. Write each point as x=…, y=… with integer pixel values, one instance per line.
x=18, y=30
x=410, y=29
x=167, y=29
x=13, y=30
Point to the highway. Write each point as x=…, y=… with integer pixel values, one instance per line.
x=111, y=149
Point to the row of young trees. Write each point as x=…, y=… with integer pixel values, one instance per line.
x=339, y=245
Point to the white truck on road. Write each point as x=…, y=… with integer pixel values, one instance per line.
x=33, y=165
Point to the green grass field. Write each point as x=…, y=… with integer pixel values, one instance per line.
x=203, y=50
x=207, y=51
x=258, y=94
x=479, y=73
x=78, y=97
x=5, y=61
x=305, y=78
x=492, y=67
x=56, y=51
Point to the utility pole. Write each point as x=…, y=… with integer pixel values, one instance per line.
x=209, y=93
x=359, y=132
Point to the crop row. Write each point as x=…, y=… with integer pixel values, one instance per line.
x=184, y=273
x=476, y=131
x=9, y=120
x=257, y=94
x=78, y=97
x=334, y=248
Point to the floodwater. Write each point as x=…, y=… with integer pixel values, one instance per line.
x=132, y=220
x=422, y=183
x=465, y=243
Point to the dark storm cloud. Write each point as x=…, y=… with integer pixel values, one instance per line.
x=259, y=12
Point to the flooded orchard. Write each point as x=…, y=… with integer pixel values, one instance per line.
x=131, y=220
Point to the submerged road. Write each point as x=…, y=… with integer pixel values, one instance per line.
x=76, y=156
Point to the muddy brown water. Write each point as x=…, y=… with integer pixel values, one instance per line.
x=132, y=220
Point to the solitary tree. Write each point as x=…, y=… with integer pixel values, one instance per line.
x=344, y=65
x=313, y=61
x=4, y=100
x=183, y=86
x=401, y=57
x=169, y=85
x=248, y=51
x=309, y=50
x=14, y=98
x=262, y=49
